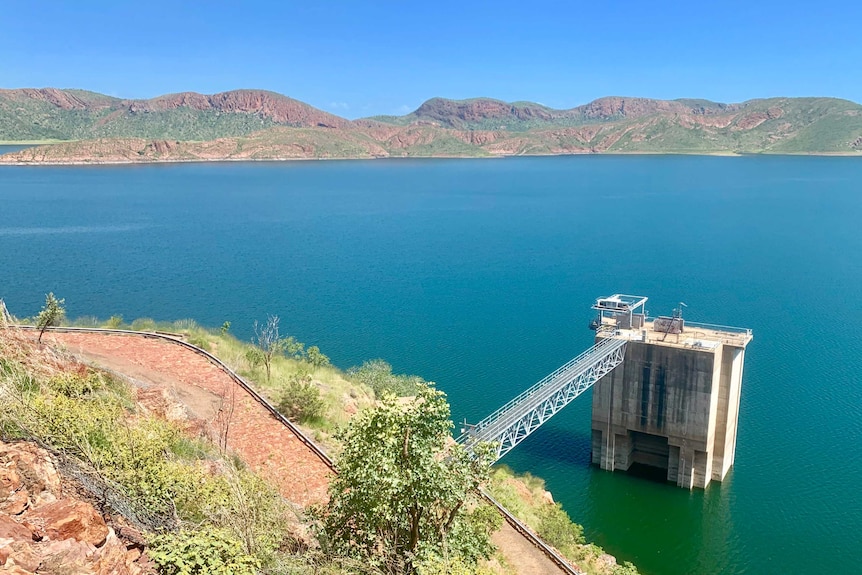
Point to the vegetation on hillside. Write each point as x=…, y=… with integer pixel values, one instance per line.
x=188, y=127
x=230, y=516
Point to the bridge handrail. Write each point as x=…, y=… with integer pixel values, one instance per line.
x=547, y=379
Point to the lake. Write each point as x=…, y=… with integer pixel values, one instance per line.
x=479, y=275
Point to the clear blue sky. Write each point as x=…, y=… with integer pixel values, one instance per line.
x=378, y=57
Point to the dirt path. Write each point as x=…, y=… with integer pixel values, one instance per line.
x=204, y=390
x=522, y=555
x=156, y=366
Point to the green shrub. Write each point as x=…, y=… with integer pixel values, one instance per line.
x=557, y=528
x=300, y=400
x=199, y=340
x=377, y=374
x=254, y=357
x=185, y=324
x=114, y=322
x=315, y=357
x=144, y=324
x=253, y=511
x=203, y=551
x=73, y=385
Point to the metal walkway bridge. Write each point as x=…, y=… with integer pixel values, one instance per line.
x=512, y=423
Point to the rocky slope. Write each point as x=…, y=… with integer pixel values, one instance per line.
x=251, y=124
x=46, y=526
x=39, y=114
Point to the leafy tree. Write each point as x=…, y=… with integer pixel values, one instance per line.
x=315, y=357
x=405, y=494
x=225, y=327
x=292, y=347
x=51, y=314
x=267, y=340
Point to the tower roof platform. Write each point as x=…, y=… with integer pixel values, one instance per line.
x=674, y=332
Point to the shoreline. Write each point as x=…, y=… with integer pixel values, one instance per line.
x=441, y=157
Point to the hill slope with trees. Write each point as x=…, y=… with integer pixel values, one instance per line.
x=85, y=127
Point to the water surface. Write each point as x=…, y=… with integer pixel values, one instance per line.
x=479, y=275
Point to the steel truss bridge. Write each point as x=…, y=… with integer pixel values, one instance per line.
x=512, y=423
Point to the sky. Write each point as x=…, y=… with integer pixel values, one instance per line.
x=359, y=59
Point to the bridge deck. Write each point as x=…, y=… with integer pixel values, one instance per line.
x=513, y=422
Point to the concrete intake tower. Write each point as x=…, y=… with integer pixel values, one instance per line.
x=673, y=403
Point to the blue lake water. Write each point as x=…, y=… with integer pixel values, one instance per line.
x=479, y=275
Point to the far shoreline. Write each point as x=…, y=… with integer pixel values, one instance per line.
x=80, y=163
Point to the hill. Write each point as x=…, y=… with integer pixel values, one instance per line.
x=255, y=124
x=51, y=114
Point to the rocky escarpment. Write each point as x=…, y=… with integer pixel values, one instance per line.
x=464, y=113
x=458, y=113
x=49, y=113
x=280, y=109
x=47, y=527
x=65, y=100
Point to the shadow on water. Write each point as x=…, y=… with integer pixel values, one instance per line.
x=558, y=444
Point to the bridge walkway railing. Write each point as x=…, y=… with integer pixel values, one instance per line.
x=513, y=422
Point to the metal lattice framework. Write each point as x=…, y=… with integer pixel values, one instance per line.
x=512, y=423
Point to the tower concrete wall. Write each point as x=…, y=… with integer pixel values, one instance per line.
x=670, y=406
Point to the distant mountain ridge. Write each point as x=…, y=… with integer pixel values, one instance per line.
x=257, y=124
x=481, y=113
x=49, y=113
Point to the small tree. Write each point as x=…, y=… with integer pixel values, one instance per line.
x=404, y=493
x=315, y=357
x=292, y=348
x=268, y=342
x=50, y=314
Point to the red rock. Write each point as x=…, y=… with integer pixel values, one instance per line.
x=11, y=529
x=113, y=558
x=10, y=481
x=70, y=519
x=16, y=503
x=22, y=555
x=66, y=556
x=33, y=463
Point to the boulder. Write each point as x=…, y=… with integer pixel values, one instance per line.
x=22, y=555
x=11, y=529
x=69, y=519
x=65, y=556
